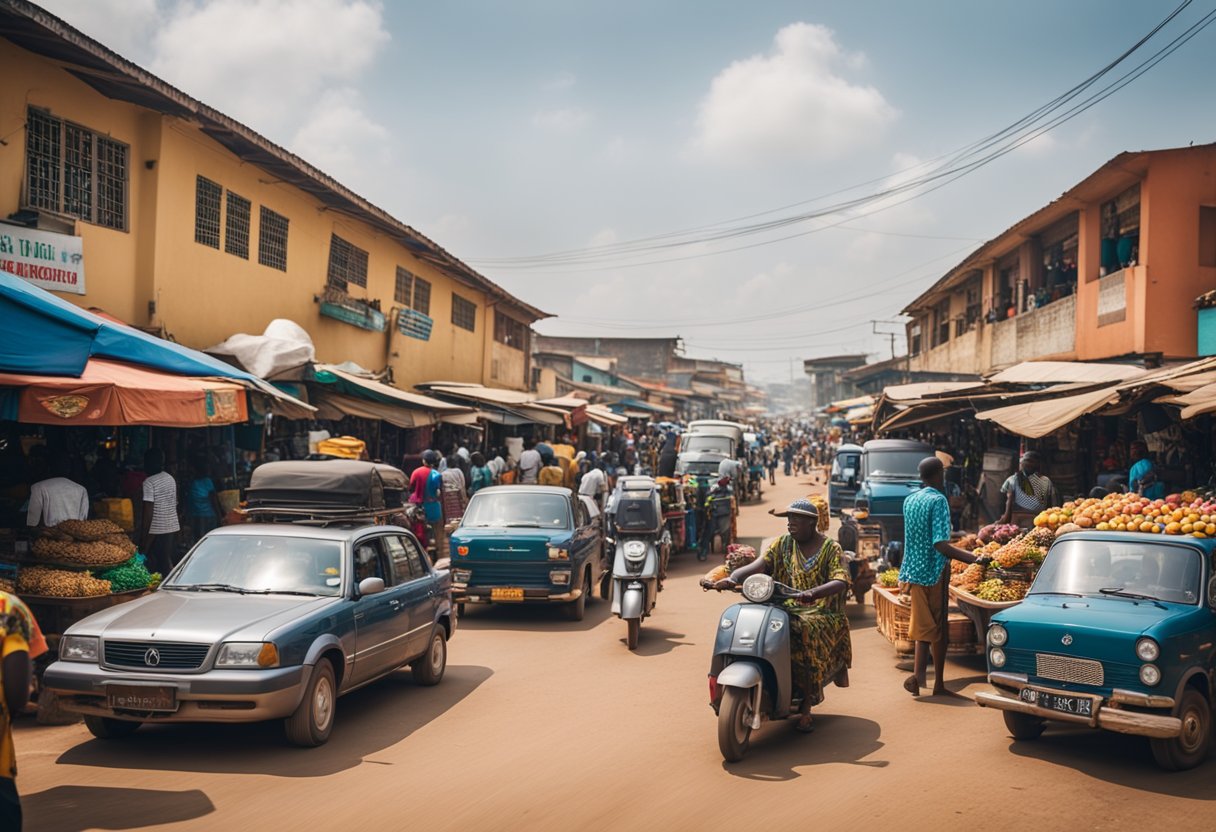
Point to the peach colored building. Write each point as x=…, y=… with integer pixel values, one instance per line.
x=1109, y=270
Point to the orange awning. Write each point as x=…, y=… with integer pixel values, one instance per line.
x=113, y=393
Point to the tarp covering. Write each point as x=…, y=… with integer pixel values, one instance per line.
x=283, y=346
x=335, y=406
x=114, y=394
x=1038, y=418
x=1063, y=372
x=910, y=392
x=848, y=404
x=350, y=384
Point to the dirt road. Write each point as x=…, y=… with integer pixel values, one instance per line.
x=546, y=724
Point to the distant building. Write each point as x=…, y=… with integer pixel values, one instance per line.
x=873, y=379
x=828, y=383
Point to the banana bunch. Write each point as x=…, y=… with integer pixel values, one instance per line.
x=59, y=583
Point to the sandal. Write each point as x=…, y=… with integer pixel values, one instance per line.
x=806, y=724
x=912, y=686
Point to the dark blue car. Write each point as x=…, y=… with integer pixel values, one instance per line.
x=527, y=544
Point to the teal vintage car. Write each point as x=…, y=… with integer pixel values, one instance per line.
x=527, y=544
x=1118, y=632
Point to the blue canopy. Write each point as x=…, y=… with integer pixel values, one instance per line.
x=42, y=334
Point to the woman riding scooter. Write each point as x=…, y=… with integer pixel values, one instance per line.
x=807, y=560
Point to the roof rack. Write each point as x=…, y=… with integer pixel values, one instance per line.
x=311, y=516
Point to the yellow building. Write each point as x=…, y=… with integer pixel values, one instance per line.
x=194, y=224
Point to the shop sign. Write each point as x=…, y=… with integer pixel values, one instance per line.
x=48, y=260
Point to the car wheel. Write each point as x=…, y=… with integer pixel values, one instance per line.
x=105, y=728
x=313, y=720
x=1023, y=726
x=1190, y=748
x=429, y=669
x=575, y=610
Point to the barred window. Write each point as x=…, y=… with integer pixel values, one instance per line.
x=236, y=227
x=509, y=331
x=464, y=313
x=347, y=264
x=403, y=291
x=272, y=239
x=422, y=295
x=207, y=212
x=73, y=170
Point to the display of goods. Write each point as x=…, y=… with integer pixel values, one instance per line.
x=7, y=586
x=957, y=566
x=889, y=578
x=739, y=554
x=999, y=533
x=1187, y=513
x=1016, y=552
x=718, y=573
x=1040, y=537
x=87, y=530
x=968, y=542
x=154, y=579
x=122, y=542
x=969, y=579
x=90, y=553
x=995, y=589
x=127, y=576
x=59, y=583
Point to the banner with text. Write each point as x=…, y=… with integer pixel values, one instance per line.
x=48, y=260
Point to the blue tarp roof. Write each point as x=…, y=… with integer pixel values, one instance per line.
x=41, y=334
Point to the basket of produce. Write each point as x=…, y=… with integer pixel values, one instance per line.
x=83, y=543
x=1186, y=513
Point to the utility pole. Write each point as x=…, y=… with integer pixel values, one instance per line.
x=890, y=335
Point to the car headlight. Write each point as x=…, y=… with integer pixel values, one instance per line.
x=998, y=636
x=1148, y=650
x=996, y=657
x=462, y=576
x=1150, y=674
x=635, y=549
x=79, y=649
x=247, y=654
x=556, y=553
x=560, y=576
x=758, y=588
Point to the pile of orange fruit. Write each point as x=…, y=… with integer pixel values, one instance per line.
x=1178, y=514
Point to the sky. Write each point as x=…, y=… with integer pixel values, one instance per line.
x=508, y=131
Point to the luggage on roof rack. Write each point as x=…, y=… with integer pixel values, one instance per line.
x=328, y=486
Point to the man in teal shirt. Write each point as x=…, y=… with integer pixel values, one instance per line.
x=927, y=552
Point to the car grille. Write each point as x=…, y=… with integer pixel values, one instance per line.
x=169, y=655
x=533, y=575
x=1068, y=669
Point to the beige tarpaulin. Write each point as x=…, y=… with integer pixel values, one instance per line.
x=1039, y=418
x=335, y=406
x=911, y=392
x=1064, y=372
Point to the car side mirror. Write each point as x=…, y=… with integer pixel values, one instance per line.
x=371, y=586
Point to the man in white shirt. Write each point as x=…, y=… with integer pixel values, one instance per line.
x=160, y=525
x=57, y=498
x=529, y=463
x=595, y=486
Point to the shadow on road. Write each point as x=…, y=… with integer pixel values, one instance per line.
x=368, y=721
x=655, y=641
x=1116, y=758
x=76, y=808
x=536, y=617
x=778, y=750
x=861, y=616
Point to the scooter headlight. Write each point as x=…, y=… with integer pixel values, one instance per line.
x=635, y=549
x=758, y=588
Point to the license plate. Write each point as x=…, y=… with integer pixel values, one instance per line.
x=506, y=593
x=142, y=697
x=1076, y=705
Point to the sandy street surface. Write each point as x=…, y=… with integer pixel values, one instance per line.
x=547, y=724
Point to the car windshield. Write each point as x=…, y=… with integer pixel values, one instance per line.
x=1137, y=570
x=517, y=510
x=699, y=443
x=264, y=564
x=701, y=469
x=894, y=464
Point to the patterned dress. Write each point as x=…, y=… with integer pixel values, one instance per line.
x=819, y=644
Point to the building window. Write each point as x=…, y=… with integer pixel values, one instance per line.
x=403, y=291
x=1207, y=235
x=236, y=228
x=207, y=212
x=464, y=313
x=72, y=170
x=509, y=331
x=422, y=295
x=347, y=264
x=1121, y=231
x=914, y=339
x=941, y=323
x=272, y=239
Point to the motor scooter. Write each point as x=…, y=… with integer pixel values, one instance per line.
x=641, y=545
x=750, y=677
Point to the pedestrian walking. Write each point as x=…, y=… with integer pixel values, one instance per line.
x=926, y=571
x=158, y=540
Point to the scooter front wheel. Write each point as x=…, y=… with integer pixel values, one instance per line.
x=734, y=724
x=634, y=626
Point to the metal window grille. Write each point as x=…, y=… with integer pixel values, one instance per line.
x=207, y=212
x=347, y=264
x=403, y=291
x=272, y=239
x=236, y=227
x=509, y=331
x=74, y=171
x=464, y=313
x=422, y=295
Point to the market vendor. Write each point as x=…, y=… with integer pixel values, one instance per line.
x=1027, y=492
x=57, y=498
x=1142, y=478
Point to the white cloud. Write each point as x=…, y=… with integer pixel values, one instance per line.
x=791, y=104
x=560, y=82
x=122, y=25
x=603, y=237
x=338, y=137
x=562, y=119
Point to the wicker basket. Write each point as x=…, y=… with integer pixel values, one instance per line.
x=894, y=619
